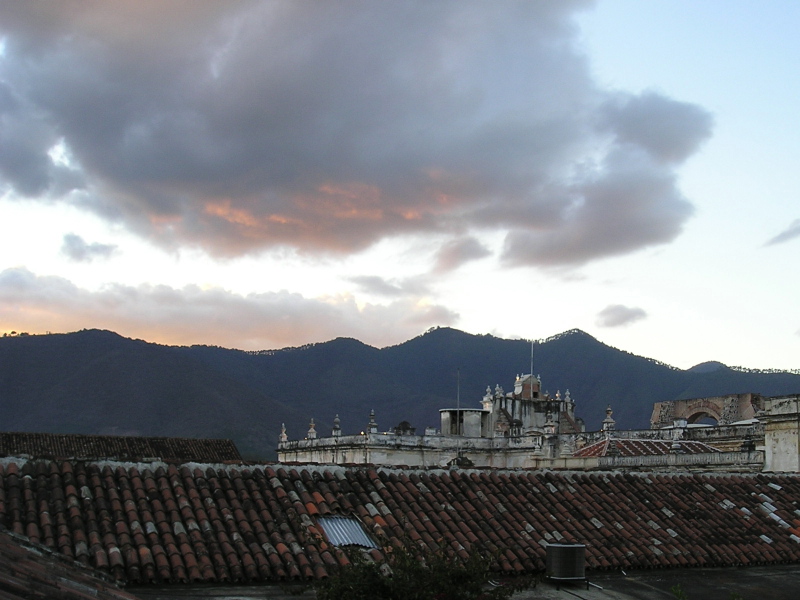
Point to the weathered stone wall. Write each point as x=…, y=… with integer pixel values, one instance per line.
x=782, y=434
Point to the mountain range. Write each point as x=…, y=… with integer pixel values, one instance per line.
x=94, y=381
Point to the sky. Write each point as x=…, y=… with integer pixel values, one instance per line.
x=259, y=175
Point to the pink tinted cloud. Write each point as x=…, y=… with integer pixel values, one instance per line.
x=327, y=127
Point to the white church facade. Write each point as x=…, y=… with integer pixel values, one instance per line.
x=528, y=429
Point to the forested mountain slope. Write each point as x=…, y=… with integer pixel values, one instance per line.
x=99, y=382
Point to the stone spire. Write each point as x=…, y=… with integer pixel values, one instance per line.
x=337, y=428
x=372, y=426
x=312, y=431
x=609, y=424
x=488, y=399
x=283, y=437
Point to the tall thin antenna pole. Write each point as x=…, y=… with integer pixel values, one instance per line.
x=458, y=412
x=531, y=369
x=458, y=401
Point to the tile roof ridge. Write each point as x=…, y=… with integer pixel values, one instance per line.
x=105, y=435
x=86, y=446
x=340, y=470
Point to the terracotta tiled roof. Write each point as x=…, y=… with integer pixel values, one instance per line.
x=31, y=571
x=158, y=523
x=628, y=447
x=132, y=448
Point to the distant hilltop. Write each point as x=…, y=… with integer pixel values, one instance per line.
x=98, y=382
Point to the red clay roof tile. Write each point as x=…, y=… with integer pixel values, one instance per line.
x=220, y=524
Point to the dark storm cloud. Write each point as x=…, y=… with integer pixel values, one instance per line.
x=192, y=315
x=76, y=248
x=619, y=315
x=793, y=231
x=325, y=127
x=26, y=138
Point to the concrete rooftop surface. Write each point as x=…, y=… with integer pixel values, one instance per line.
x=772, y=582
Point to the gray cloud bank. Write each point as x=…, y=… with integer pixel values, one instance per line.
x=192, y=315
x=77, y=249
x=326, y=127
x=619, y=315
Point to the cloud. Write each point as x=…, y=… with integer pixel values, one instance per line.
x=192, y=315
x=391, y=288
x=75, y=248
x=458, y=252
x=619, y=315
x=669, y=131
x=790, y=233
x=373, y=284
x=631, y=204
x=26, y=138
x=327, y=127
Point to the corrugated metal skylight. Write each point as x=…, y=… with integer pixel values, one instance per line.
x=345, y=531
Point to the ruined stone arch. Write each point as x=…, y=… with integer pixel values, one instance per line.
x=723, y=409
x=699, y=415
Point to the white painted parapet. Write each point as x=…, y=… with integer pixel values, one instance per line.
x=782, y=434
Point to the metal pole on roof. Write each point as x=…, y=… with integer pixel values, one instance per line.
x=458, y=401
x=458, y=413
x=531, y=369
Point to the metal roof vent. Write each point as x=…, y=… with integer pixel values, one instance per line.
x=566, y=562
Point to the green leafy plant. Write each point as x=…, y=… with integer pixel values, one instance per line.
x=678, y=592
x=414, y=574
